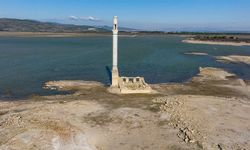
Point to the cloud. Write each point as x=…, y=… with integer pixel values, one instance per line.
x=89, y=18
x=73, y=18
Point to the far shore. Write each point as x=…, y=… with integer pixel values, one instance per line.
x=57, y=34
x=121, y=33
x=48, y=34
x=216, y=42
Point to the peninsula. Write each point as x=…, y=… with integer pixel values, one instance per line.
x=218, y=40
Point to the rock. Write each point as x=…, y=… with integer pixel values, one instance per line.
x=192, y=141
x=220, y=147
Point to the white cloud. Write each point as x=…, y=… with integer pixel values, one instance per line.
x=89, y=18
x=73, y=18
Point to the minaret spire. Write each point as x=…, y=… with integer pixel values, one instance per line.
x=115, y=74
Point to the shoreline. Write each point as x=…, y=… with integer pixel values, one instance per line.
x=216, y=43
x=49, y=34
x=83, y=34
x=86, y=34
x=55, y=88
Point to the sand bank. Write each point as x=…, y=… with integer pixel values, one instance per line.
x=196, y=53
x=72, y=85
x=234, y=59
x=216, y=43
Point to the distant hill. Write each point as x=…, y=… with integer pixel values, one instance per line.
x=18, y=25
x=25, y=25
x=120, y=28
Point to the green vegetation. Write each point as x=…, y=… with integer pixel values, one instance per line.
x=223, y=38
x=17, y=25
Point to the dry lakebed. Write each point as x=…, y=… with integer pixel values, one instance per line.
x=210, y=111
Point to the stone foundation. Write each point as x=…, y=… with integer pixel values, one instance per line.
x=115, y=77
x=131, y=85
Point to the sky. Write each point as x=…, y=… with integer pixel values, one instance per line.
x=167, y=15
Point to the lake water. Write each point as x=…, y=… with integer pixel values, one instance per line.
x=26, y=63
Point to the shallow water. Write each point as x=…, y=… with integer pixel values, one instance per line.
x=26, y=63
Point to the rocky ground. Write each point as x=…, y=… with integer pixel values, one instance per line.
x=210, y=111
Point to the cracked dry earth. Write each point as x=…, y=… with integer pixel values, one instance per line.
x=211, y=111
x=209, y=122
x=83, y=124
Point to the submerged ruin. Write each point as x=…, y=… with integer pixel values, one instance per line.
x=124, y=85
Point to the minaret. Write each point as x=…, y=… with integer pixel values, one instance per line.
x=115, y=74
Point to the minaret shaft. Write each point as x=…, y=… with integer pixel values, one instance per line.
x=115, y=73
x=115, y=50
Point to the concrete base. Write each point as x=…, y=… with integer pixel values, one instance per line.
x=114, y=90
x=131, y=85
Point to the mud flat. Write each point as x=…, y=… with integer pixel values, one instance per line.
x=210, y=111
x=216, y=43
x=234, y=59
x=65, y=85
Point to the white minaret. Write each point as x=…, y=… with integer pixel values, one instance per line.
x=115, y=74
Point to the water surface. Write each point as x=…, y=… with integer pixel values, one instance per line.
x=26, y=63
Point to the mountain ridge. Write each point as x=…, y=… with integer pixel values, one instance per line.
x=27, y=25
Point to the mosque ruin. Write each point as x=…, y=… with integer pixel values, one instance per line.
x=124, y=85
